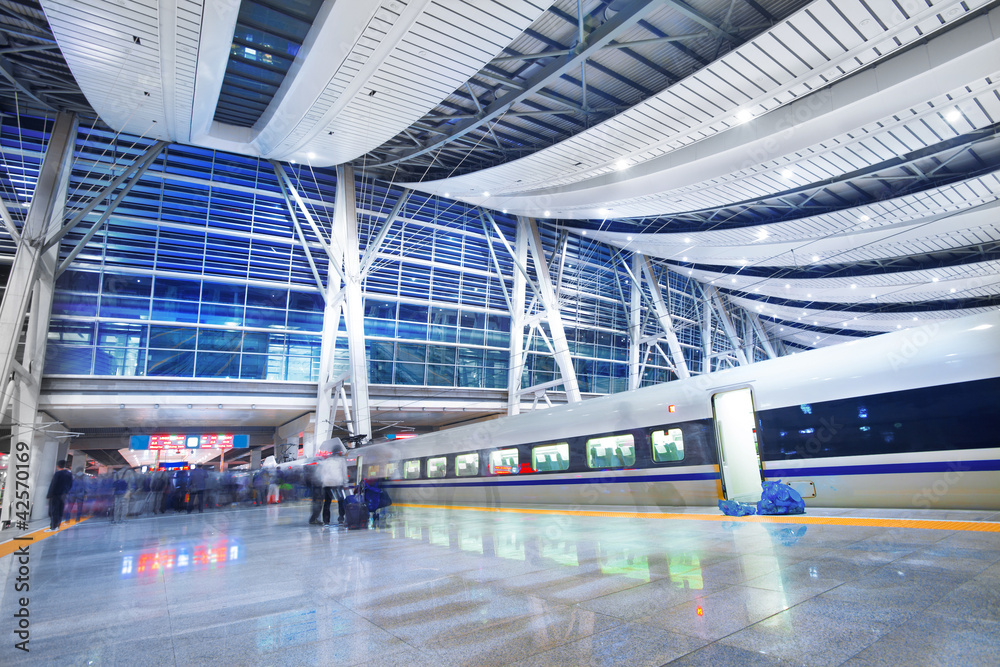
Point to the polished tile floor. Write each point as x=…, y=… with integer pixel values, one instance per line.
x=461, y=587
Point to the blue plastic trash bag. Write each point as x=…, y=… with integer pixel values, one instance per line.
x=778, y=498
x=734, y=508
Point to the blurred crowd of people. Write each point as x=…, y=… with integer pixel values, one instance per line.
x=127, y=492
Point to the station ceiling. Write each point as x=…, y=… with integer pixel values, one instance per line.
x=832, y=165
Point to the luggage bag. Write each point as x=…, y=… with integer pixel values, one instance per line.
x=355, y=514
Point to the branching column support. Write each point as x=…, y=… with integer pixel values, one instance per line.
x=518, y=356
x=666, y=323
x=28, y=295
x=765, y=342
x=712, y=296
x=552, y=314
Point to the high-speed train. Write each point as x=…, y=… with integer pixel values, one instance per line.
x=909, y=419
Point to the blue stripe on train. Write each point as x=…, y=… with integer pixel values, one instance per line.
x=769, y=473
x=882, y=468
x=538, y=481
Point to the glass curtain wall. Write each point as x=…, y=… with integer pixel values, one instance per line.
x=199, y=274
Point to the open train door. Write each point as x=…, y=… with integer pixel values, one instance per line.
x=736, y=433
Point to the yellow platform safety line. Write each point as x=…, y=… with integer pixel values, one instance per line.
x=35, y=536
x=798, y=519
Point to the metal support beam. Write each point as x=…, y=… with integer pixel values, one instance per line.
x=142, y=163
x=298, y=231
x=332, y=254
x=8, y=223
x=82, y=243
x=635, y=325
x=727, y=325
x=666, y=323
x=518, y=355
x=624, y=19
x=765, y=342
x=376, y=245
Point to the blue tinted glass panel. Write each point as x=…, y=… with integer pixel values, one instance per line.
x=171, y=288
x=122, y=362
x=79, y=281
x=381, y=309
x=299, y=369
x=218, y=314
x=182, y=338
x=305, y=321
x=409, y=374
x=121, y=334
x=213, y=339
x=223, y=293
x=125, y=308
x=307, y=301
x=442, y=376
x=175, y=311
x=412, y=330
x=125, y=285
x=253, y=367
x=265, y=318
x=170, y=363
x=66, y=360
x=71, y=333
x=217, y=364
x=409, y=312
x=266, y=297
x=81, y=305
x=256, y=342
x=383, y=328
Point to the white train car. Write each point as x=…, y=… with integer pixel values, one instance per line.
x=906, y=419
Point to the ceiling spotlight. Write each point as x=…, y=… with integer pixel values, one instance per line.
x=914, y=319
x=621, y=164
x=547, y=214
x=687, y=240
x=628, y=238
x=809, y=296
x=952, y=289
x=311, y=156
x=602, y=211
x=873, y=296
x=787, y=286
x=734, y=280
x=864, y=218
x=787, y=173
x=762, y=234
x=854, y=286
x=447, y=194
x=684, y=259
x=934, y=279
x=486, y=194
x=815, y=258
x=504, y=211
x=744, y=116
x=585, y=232
x=953, y=115
x=899, y=326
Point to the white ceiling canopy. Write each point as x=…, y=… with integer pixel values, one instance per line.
x=364, y=72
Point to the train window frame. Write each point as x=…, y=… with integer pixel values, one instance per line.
x=673, y=434
x=391, y=469
x=560, y=451
x=459, y=468
x=407, y=466
x=496, y=465
x=433, y=471
x=591, y=445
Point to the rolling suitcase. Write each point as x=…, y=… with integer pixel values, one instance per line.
x=355, y=514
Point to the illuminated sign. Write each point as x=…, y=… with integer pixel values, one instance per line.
x=162, y=441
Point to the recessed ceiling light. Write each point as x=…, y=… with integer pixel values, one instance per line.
x=864, y=218
x=854, y=286
x=585, y=232
x=734, y=280
x=787, y=173
x=311, y=156
x=934, y=279
x=621, y=164
x=787, y=286
x=873, y=296
x=815, y=258
x=953, y=115
x=684, y=259
x=687, y=240
x=744, y=116
x=447, y=194
x=504, y=211
x=486, y=194
x=952, y=289
x=546, y=214
x=628, y=238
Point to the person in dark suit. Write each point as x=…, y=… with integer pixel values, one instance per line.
x=62, y=482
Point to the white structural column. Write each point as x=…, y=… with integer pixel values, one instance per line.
x=29, y=295
x=518, y=355
x=706, y=336
x=765, y=342
x=666, y=323
x=345, y=235
x=635, y=325
x=560, y=348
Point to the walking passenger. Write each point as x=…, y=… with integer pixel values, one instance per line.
x=62, y=482
x=196, y=489
x=121, y=492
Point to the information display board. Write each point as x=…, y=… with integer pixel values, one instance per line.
x=164, y=441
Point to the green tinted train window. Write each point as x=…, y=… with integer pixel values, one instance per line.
x=391, y=470
x=668, y=445
x=503, y=462
x=437, y=467
x=612, y=451
x=549, y=458
x=467, y=465
x=411, y=469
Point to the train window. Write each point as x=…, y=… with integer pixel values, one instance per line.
x=611, y=451
x=548, y=458
x=668, y=445
x=437, y=467
x=411, y=469
x=467, y=465
x=503, y=462
x=391, y=470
